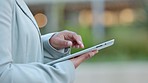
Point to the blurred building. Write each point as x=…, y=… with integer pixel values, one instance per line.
x=55, y=14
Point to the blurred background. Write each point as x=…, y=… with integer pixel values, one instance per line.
x=97, y=21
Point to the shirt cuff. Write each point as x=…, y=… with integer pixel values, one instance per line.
x=51, y=50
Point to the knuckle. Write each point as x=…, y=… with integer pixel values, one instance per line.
x=66, y=31
x=79, y=36
x=74, y=33
x=87, y=56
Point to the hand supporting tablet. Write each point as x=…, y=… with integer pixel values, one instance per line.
x=96, y=47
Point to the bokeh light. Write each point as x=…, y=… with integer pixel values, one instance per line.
x=85, y=17
x=126, y=16
x=41, y=20
x=110, y=18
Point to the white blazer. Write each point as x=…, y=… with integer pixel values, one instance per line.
x=23, y=50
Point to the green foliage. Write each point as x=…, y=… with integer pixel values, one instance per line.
x=130, y=43
x=142, y=15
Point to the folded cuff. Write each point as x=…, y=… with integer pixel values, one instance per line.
x=54, y=53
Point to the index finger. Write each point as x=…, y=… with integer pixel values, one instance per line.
x=78, y=39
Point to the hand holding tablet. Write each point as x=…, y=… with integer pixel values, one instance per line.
x=96, y=47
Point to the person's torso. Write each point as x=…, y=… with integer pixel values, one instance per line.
x=26, y=42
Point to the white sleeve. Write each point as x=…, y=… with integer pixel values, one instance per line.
x=50, y=53
x=10, y=72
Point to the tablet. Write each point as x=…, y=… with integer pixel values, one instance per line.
x=96, y=47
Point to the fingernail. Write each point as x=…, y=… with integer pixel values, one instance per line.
x=97, y=51
x=77, y=46
x=69, y=43
x=92, y=54
x=82, y=45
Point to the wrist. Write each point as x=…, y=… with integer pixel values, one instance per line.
x=52, y=40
